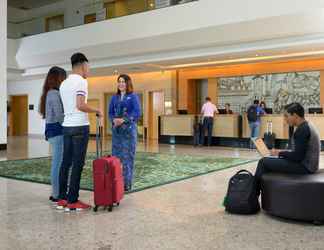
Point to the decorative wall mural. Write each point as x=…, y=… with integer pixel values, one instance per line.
x=276, y=90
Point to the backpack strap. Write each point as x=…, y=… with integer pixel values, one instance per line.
x=244, y=171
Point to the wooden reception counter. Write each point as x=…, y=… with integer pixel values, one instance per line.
x=280, y=128
x=182, y=125
x=228, y=126
x=177, y=125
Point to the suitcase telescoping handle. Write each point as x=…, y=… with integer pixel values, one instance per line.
x=98, y=137
x=269, y=127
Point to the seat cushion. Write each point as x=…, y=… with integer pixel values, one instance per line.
x=299, y=197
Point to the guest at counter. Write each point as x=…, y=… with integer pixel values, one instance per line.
x=228, y=109
x=208, y=110
x=253, y=115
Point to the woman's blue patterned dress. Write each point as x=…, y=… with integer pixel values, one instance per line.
x=124, y=137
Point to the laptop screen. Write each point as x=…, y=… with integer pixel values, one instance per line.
x=261, y=147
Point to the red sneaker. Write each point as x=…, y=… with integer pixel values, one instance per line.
x=77, y=206
x=61, y=204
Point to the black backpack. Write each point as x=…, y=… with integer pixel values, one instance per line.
x=241, y=197
x=252, y=115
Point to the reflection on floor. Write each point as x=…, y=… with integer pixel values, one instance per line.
x=182, y=215
x=23, y=147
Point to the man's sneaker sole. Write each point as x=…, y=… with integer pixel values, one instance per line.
x=66, y=209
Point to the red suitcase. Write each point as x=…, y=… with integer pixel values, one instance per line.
x=108, y=182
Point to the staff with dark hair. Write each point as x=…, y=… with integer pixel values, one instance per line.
x=228, y=109
x=51, y=109
x=124, y=112
x=304, y=156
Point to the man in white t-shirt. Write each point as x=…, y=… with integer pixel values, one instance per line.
x=74, y=93
x=208, y=110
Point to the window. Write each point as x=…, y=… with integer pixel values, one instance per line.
x=54, y=23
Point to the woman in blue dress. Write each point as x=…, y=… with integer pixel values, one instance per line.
x=124, y=112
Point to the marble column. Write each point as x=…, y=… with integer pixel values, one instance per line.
x=3, y=74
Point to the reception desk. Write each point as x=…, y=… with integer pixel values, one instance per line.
x=317, y=120
x=280, y=127
x=177, y=125
x=182, y=125
x=229, y=126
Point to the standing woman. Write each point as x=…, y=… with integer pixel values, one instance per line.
x=51, y=109
x=124, y=112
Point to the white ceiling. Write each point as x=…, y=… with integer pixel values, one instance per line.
x=30, y=4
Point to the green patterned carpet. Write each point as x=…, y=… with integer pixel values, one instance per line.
x=151, y=169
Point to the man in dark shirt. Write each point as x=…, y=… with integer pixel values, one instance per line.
x=304, y=156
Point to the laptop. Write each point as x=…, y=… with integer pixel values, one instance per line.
x=262, y=148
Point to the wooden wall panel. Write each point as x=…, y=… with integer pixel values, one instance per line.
x=212, y=90
x=186, y=75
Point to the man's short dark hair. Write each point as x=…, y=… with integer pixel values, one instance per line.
x=208, y=98
x=78, y=59
x=295, y=108
x=256, y=102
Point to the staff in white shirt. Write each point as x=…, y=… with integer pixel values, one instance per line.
x=208, y=110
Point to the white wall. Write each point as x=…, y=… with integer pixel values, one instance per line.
x=97, y=87
x=30, y=22
x=176, y=32
x=13, y=31
x=75, y=10
x=33, y=89
x=143, y=82
x=12, y=47
x=3, y=72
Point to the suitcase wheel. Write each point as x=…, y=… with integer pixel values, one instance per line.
x=95, y=209
x=110, y=208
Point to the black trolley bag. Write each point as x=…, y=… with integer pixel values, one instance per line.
x=241, y=197
x=269, y=137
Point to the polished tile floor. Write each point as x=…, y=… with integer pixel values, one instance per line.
x=182, y=215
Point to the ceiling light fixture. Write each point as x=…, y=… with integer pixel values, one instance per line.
x=248, y=59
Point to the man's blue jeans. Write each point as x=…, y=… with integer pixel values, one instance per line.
x=75, y=149
x=56, y=143
x=255, y=131
x=207, y=125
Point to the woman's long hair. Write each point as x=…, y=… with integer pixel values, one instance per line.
x=54, y=78
x=129, y=84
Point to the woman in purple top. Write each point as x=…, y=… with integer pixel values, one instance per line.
x=51, y=109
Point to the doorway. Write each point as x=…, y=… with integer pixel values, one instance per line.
x=155, y=109
x=19, y=115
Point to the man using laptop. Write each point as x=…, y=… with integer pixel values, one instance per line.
x=304, y=156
